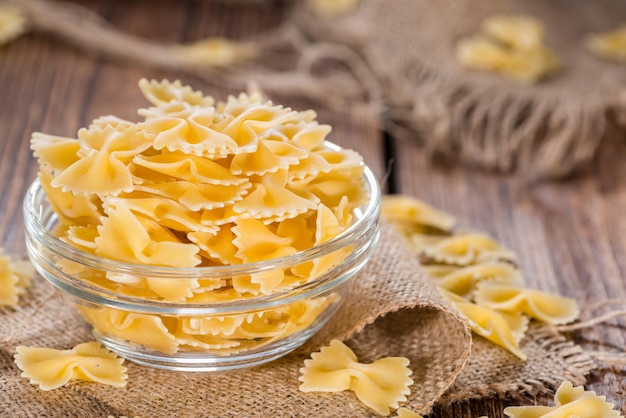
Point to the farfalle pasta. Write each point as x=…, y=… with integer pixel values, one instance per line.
x=477, y=274
x=511, y=45
x=609, y=45
x=15, y=277
x=202, y=183
x=50, y=368
x=545, y=307
x=380, y=385
x=569, y=401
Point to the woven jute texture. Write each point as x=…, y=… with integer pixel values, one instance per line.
x=545, y=130
x=392, y=311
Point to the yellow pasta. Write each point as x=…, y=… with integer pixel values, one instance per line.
x=128, y=237
x=141, y=329
x=13, y=23
x=103, y=169
x=570, y=401
x=164, y=92
x=465, y=249
x=511, y=46
x=15, y=277
x=545, y=307
x=216, y=52
x=407, y=413
x=462, y=281
x=201, y=183
x=50, y=368
x=491, y=324
x=609, y=45
x=380, y=385
x=414, y=215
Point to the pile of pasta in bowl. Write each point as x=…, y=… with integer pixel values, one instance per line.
x=207, y=236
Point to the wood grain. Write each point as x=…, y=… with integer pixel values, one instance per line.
x=570, y=236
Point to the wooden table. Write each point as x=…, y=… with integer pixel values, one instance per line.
x=570, y=236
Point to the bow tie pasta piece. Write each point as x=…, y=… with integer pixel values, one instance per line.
x=56, y=153
x=543, y=306
x=269, y=157
x=465, y=249
x=197, y=196
x=609, y=45
x=193, y=135
x=308, y=167
x=570, y=402
x=50, y=368
x=463, y=281
x=128, y=237
x=72, y=209
x=103, y=168
x=307, y=134
x=490, y=324
x=414, y=215
x=190, y=168
x=274, y=203
x=407, y=413
x=109, y=120
x=257, y=242
x=219, y=246
x=150, y=331
x=83, y=237
x=515, y=31
x=165, y=212
x=512, y=46
x=15, y=277
x=379, y=385
x=163, y=92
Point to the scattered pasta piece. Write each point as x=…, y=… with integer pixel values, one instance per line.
x=477, y=275
x=466, y=249
x=569, y=401
x=407, y=413
x=415, y=214
x=511, y=46
x=50, y=368
x=545, y=307
x=379, y=385
x=462, y=281
x=333, y=7
x=489, y=323
x=15, y=277
x=216, y=52
x=13, y=23
x=609, y=45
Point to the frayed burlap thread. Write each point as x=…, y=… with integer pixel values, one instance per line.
x=393, y=310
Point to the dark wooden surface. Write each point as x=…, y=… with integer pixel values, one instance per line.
x=570, y=236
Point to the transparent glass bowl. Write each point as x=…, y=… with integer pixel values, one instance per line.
x=216, y=333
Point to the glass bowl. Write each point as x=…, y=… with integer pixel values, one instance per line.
x=212, y=332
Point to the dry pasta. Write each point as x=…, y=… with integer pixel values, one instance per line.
x=13, y=23
x=200, y=183
x=569, y=401
x=502, y=329
x=50, y=368
x=380, y=385
x=407, y=413
x=511, y=46
x=477, y=275
x=609, y=45
x=546, y=307
x=15, y=277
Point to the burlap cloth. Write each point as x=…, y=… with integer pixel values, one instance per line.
x=549, y=129
x=393, y=311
